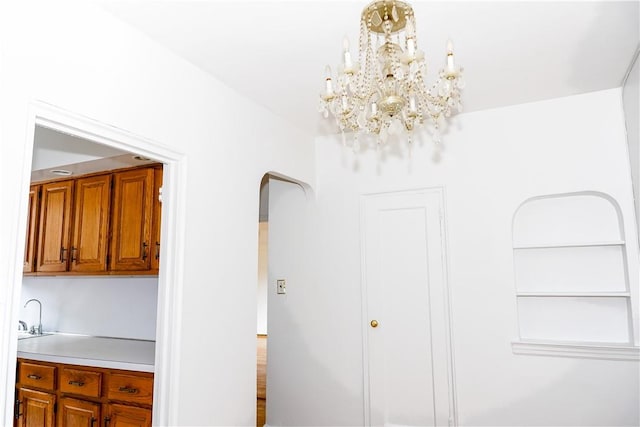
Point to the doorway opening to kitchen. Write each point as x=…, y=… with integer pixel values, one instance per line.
x=107, y=182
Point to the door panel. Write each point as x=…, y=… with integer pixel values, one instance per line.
x=78, y=413
x=32, y=230
x=128, y=416
x=55, y=223
x=157, y=213
x=36, y=408
x=131, y=231
x=403, y=292
x=91, y=224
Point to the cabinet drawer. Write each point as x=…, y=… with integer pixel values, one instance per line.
x=76, y=381
x=36, y=375
x=130, y=388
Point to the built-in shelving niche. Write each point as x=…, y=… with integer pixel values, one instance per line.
x=572, y=287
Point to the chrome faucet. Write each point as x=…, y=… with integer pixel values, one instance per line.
x=39, y=330
x=22, y=326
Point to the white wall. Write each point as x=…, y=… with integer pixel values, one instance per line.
x=491, y=162
x=631, y=102
x=100, y=306
x=81, y=59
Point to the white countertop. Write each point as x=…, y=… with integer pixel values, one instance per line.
x=114, y=353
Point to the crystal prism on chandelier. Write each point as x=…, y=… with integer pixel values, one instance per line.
x=386, y=90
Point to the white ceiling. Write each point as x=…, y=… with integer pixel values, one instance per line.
x=56, y=150
x=274, y=52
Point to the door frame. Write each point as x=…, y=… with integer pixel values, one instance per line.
x=451, y=389
x=171, y=274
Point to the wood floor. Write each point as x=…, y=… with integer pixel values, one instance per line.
x=261, y=418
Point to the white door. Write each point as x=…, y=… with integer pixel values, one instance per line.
x=407, y=346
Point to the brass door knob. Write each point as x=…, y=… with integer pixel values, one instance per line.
x=374, y=323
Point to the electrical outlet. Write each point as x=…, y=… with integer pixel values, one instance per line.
x=281, y=286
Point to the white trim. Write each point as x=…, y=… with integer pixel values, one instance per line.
x=365, y=316
x=578, y=350
x=570, y=245
x=573, y=294
x=170, y=279
x=630, y=67
x=453, y=401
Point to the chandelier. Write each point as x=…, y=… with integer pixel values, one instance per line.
x=384, y=91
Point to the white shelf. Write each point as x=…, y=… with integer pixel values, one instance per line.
x=580, y=350
x=572, y=294
x=571, y=245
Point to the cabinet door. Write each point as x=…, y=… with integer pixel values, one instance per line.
x=32, y=230
x=157, y=208
x=54, y=229
x=78, y=413
x=35, y=408
x=91, y=224
x=127, y=416
x=131, y=220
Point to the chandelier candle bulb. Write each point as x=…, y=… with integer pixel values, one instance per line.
x=328, y=82
x=450, y=64
x=348, y=65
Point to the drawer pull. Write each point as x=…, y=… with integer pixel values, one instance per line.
x=34, y=377
x=128, y=390
x=76, y=383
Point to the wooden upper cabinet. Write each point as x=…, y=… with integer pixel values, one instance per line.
x=91, y=224
x=32, y=230
x=157, y=214
x=132, y=220
x=54, y=229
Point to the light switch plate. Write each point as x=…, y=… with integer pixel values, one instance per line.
x=281, y=286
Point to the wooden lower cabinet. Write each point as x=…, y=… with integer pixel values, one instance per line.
x=35, y=408
x=61, y=395
x=78, y=413
x=127, y=416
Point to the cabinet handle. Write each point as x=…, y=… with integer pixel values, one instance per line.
x=157, y=250
x=17, y=414
x=76, y=383
x=62, y=251
x=128, y=390
x=34, y=377
x=93, y=421
x=106, y=421
x=74, y=252
x=145, y=246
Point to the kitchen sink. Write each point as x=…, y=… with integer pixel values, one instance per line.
x=22, y=335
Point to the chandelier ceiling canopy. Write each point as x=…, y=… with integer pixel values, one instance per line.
x=384, y=90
